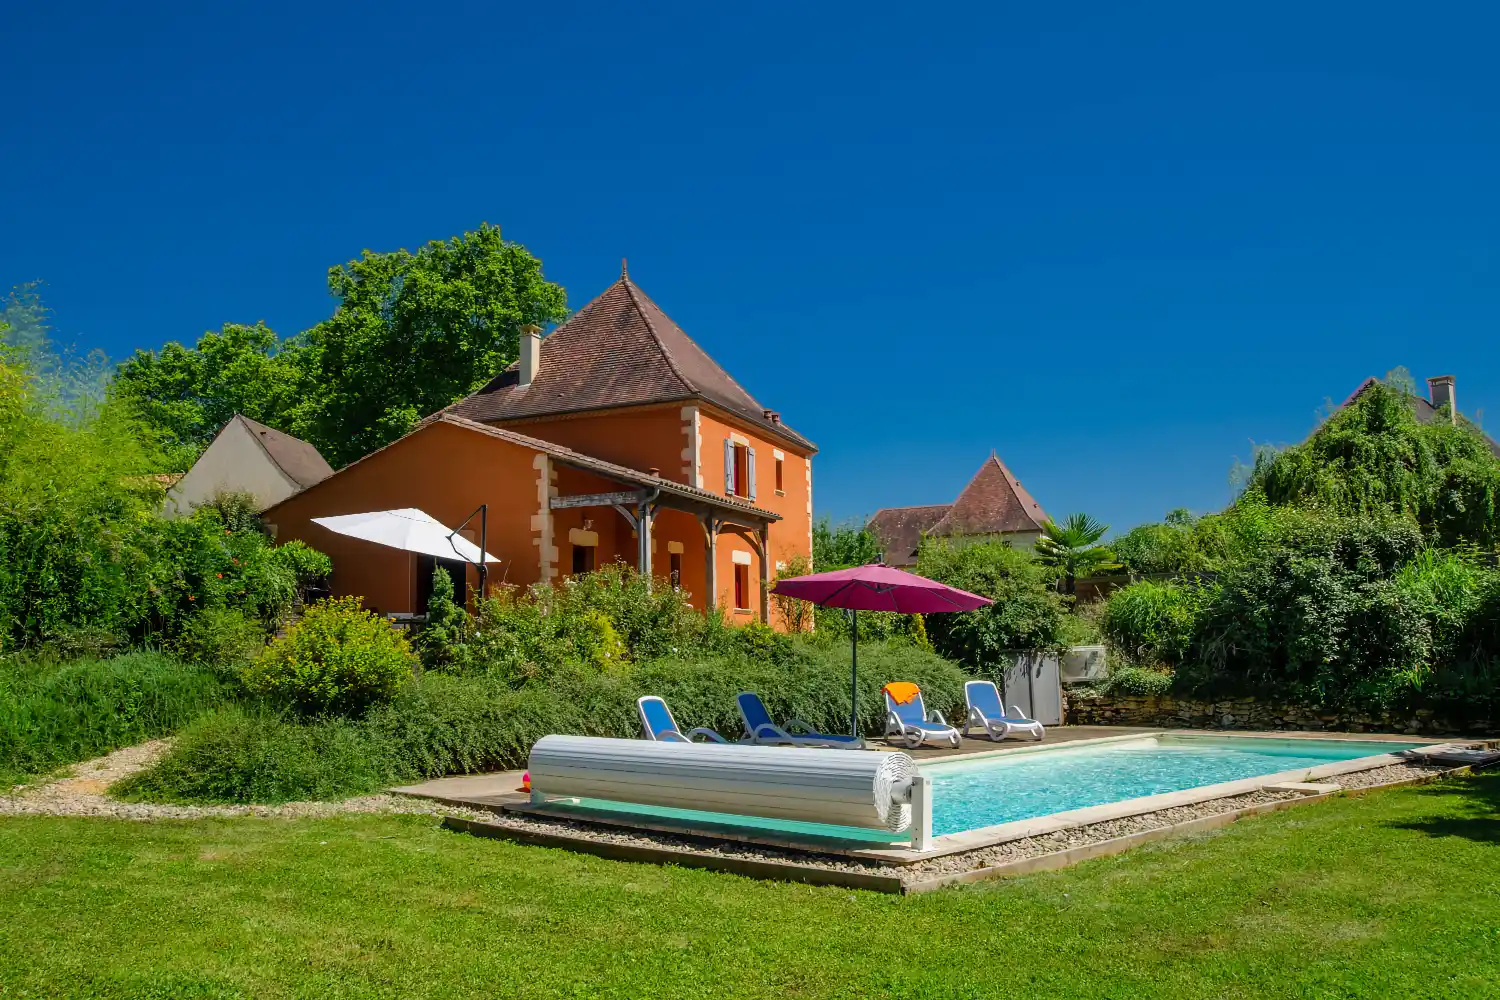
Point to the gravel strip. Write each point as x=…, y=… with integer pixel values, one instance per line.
x=1388, y=774
x=82, y=793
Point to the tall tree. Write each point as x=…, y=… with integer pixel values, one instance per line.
x=187, y=393
x=413, y=332
x=839, y=546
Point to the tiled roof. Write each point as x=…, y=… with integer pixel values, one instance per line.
x=900, y=530
x=1421, y=408
x=302, y=463
x=620, y=473
x=993, y=503
x=619, y=350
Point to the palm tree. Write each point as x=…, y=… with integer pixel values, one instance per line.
x=1071, y=547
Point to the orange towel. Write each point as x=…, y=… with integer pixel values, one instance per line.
x=903, y=692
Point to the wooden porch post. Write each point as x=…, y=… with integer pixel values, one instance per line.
x=643, y=522
x=711, y=547
x=764, y=534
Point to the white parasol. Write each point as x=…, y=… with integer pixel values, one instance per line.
x=408, y=529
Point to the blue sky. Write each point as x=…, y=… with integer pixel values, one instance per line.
x=1116, y=245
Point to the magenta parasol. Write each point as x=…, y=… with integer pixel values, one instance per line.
x=876, y=587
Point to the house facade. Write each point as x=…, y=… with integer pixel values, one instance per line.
x=993, y=505
x=614, y=438
x=247, y=457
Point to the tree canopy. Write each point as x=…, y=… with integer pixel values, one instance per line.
x=411, y=333
x=187, y=393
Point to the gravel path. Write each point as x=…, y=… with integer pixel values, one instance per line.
x=82, y=793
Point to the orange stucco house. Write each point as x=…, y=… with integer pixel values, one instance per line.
x=616, y=437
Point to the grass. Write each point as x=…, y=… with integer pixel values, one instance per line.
x=1395, y=894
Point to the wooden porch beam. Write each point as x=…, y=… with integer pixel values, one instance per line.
x=598, y=499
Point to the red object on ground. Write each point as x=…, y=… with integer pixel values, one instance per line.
x=878, y=587
x=526, y=782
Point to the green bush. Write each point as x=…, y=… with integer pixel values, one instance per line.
x=759, y=641
x=58, y=713
x=1027, y=613
x=441, y=641
x=443, y=724
x=305, y=562
x=338, y=659
x=1151, y=623
x=1138, y=681
x=1327, y=628
x=238, y=755
x=220, y=637
x=601, y=619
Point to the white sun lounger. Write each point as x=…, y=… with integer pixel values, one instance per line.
x=760, y=729
x=987, y=712
x=910, y=724
x=658, y=724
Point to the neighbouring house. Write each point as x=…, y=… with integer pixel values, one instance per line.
x=246, y=456
x=616, y=437
x=993, y=505
x=1441, y=404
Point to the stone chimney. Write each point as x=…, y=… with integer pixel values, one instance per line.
x=1440, y=392
x=531, y=352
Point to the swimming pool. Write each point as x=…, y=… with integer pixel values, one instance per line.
x=986, y=791
x=1019, y=783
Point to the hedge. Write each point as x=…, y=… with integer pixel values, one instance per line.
x=440, y=725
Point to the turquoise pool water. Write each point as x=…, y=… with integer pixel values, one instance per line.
x=969, y=794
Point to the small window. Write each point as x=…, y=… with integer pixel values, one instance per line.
x=741, y=587
x=675, y=573
x=583, y=559
x=780, y=490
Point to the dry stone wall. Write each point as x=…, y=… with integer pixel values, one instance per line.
x=1086, y=707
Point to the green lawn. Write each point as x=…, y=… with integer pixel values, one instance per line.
x=1392, y=895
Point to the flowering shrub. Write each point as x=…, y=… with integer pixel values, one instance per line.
x=339, y=659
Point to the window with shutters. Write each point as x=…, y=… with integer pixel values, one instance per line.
x=675, y=562
x=780, y=490
x=739, y=470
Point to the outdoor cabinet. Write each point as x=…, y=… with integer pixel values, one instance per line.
x=1033, y=683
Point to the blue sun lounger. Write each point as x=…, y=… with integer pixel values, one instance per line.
x=658, y=724
x=760, y=729
x=987, y=712
x=908, y=722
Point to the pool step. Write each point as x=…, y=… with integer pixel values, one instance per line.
x=1304, y=787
